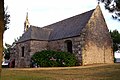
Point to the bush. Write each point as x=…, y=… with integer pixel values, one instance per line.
x=48, y=58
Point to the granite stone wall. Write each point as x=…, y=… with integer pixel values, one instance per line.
x=19, y=60
x=30, y=47
x=36, y=46
x=77, y=43
x=98, y=43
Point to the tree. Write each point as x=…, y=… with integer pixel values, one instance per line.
x=7, y=51
x=115, y=35
x=6, y=18
x=1, y=31
x=113, y=6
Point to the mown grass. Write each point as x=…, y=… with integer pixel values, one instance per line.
x=106, y=72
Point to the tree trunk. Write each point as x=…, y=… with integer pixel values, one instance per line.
x=1, y=31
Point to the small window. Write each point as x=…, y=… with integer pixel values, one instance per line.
x=69, y=46
x=23, y=51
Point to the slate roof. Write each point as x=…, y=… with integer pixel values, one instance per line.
x=69, y=27
x=35, y=33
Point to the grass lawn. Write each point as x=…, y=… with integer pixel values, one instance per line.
x=104, y=72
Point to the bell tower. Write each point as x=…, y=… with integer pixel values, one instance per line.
x=26, y=23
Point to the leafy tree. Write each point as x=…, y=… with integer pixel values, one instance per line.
x=112, y=6
x=7, y=51
x=6, y=18
x=116, y=39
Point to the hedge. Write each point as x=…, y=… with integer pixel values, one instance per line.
x=49, y=58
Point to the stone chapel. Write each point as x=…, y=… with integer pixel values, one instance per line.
x=85, y=35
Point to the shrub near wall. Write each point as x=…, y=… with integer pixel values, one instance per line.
x=48, y=58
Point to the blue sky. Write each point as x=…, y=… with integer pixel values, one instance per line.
x=45, y=12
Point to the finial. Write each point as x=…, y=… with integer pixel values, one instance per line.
x=26, y=23
x=27, y=13
x=26, y=16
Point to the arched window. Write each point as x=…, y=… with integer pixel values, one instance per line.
x=69, y=46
